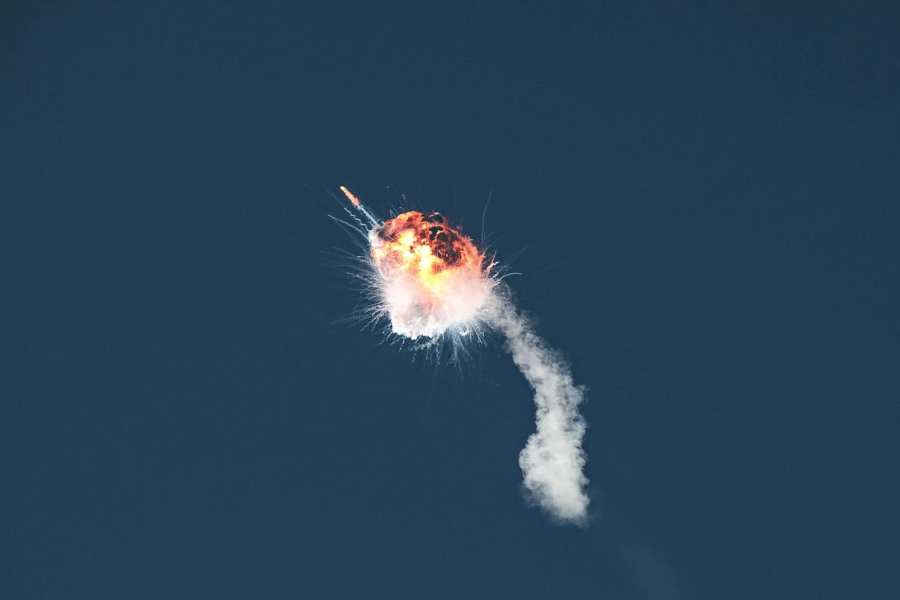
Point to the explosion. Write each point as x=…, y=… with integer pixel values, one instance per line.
x=433, y=277
x=431, y=282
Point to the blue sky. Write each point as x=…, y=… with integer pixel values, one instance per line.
x=701, y=201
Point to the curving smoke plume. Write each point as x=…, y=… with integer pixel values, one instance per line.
x=431, y=282
x=552, y=461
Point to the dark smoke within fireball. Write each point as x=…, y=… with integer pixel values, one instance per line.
x=432, y=231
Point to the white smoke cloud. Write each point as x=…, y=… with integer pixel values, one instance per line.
x=419, y=303
x=552, y=461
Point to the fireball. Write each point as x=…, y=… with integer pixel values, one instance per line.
x=433, y=277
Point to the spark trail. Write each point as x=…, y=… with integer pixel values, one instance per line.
x=432, y=282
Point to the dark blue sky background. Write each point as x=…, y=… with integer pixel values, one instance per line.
x=707, y=200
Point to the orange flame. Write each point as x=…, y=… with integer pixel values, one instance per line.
x=427, y=247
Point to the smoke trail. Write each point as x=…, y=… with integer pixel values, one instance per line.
x=552, y=460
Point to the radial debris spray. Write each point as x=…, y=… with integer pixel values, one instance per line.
x=431, y=282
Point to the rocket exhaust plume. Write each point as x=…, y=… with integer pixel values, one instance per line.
x=431, y=282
